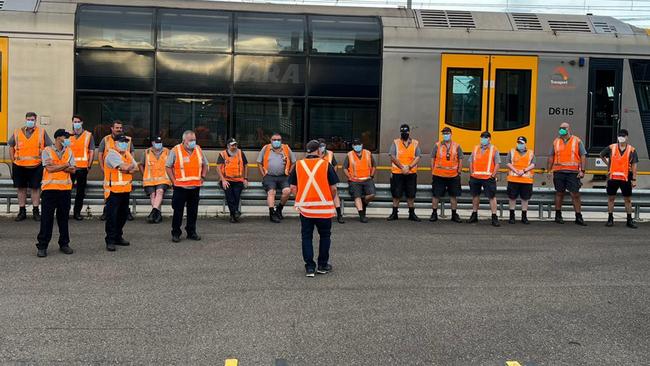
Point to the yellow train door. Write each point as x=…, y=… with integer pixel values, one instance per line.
x=4, y=90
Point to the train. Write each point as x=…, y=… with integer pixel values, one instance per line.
x=246, y=70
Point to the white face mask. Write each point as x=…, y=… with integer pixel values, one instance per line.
x=622, y=139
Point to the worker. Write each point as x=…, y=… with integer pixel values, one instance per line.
x=567, y=160
x=275, y=161
x=119, y=166
x=313, y=182
x=233, y=175
x=360, y=167
x=82, y=145
x=404, y=155
x=483, y=167
x=108, y=142
x=187, y=167
x=330, y=158
x=520, y=162
x=621, y=159
x=154, y=177
x=58, y=164
x=446, y=166
x=25, y=148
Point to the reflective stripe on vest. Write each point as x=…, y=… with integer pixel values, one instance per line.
x=483, y=164
x=189, y=176
x=60, y=180
x=446, y=163
x=566, y=158
x=520, y=162
x=114, y=180
x=286, y=157
x=27, y=151
x=619, y=165
x=311, y=200
x=329, y=157
x=359, y=168
x=405, y=155
x=233, y=166
x=154, y=168
x=80, y=148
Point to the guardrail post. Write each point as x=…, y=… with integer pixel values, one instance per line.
x=134, y=206
x=540, y=209
x=637, y=211
x=8, y=204
x=549, y=211
x=442, y=208
x=342, y=206
x=501, y=209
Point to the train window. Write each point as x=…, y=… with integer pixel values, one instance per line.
x=464, y=98
x=100, y=110
x=339, y=122
x=344, y=77
x=347, y=35
x=114, y=70
x=193, y=72
x=194, y=30
x=269, y=75
x=115, y=27
x=256, y=119
x=208, y=117
x=269, y=33
x=512, y=99
x=643, y=92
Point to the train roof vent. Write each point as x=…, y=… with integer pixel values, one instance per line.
x=527, y=21
x=460, y=19
x=2, y=4
x=603, y=27
x=446, y=19
x=573, y=26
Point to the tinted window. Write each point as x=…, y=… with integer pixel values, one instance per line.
x=349, y=35
x=117, y=27
x=257, y=119
x=100, y=111
x=339, y=122
x=640, y=70
x=195, y=30
x=643, y=91
x=464, y=98
x=207, y=117
x=343, y=77
x=193, y=72
x=511, y=99
x=114, y=70
x=269, y=33
x=269, y=75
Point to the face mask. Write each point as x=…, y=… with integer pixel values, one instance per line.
x=322, y=149
x=157, y=145
x=485, y=141
x=191, y=144
x=357, y=148
x=77, y=125
x=622, y=139
x=122, y=146
x=276, y=144
x=563, y=132
x=446, y=137
x=66, y=142
x=405, y=136
x=30, y=124
x=521, y=147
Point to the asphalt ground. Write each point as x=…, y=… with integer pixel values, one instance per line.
x=401, y=293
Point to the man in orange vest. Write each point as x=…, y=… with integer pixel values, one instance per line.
x=154, y=177
x=520, y=162
x=25, y=148
x=58, y=164
x=622, y=160
x=83, y=148
x=233, y=175
x=360, y=167
x=404, y=156
x=483, y=167
x=187, y=167
x=567, y=160
x=313, y=182
x=330, y=158
x=108, y=142
x=446, y=166
x=119, y=166
x=275, y=161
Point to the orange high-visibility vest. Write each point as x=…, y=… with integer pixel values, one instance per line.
x=79, y=146
x=154, y=168
x=114, y=180
x=187, y=168
x=405, y=155
x=286, y=156
x=27, y=151
x=109, y=143
x=619, y=165
x=233, y=167
x=329, y=156
x=314, y=197
x=566, y=155
x=483, y=162
x=521, y=162
x=446, y=161
x=60, y=180
x=359, y=168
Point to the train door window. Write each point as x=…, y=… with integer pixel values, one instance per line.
x=511, y=99
x=464, y=98
x=4, y=69
x=604, y=102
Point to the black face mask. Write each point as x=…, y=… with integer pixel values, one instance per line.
x=405, y=136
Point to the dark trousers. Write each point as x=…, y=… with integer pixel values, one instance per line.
x=324, y=227
x=116, y=208
x=79, y=178
x=180, y=198
x=233, y=195
x=54, y=202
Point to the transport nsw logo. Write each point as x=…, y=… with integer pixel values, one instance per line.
x=560, y=79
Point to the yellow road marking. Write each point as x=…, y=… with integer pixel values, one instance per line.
x=512, y=363
x=231, y=362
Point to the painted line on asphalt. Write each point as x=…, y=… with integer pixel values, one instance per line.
x=512, y=363
x=231, y=362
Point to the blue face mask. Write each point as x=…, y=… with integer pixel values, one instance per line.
x=276, y=144
x=30, y=124
x=191, y=144
x=122, y=146
x=322, y=149
x=357, y=148
x=485, y=141
x=77, y=125
x=563, y=132
x=521, y=147
x=446, y=137
x=66, y=142
x=157, y=145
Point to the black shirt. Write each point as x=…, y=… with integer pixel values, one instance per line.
x=607, y=152
x=332, y=178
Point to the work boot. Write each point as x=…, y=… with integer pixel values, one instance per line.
x=455, y=217
x=610, y=220
x=274, y=217
x=22, y=214
x=324, y=269
x=524, y=218
x=36, y=214
x=413, y=216
x=176, y=238
x=122, y=242
x=393, y=216
x=558, y=217
x=66, y=250
x=232, y=219
x=339, y=219
x=110, y=247
x=473, y=219
x=157, y=217
x=194, y=236
x=278, y=211
x=495, y=220
x=362, y=217
x=41, y=253
x=237, y=215
x=150, y=218
x=630, y=222
x=512, y=219
x=434, y=216
x=579, y=220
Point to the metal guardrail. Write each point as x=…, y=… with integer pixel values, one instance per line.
x=593, y=199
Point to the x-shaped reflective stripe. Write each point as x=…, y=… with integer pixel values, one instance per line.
x=311, y=181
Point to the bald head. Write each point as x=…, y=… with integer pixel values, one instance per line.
x=565, y=125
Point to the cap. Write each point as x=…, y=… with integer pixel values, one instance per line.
x=158, y=140
x=121, y=138
x=522, y=139
x=356, y=142
x=321, y=140
x=623, y=132
x=61, y=132
x=232, y=141
x=485, y=134
x=446, y=130
x=312, y=146
x=404, y=128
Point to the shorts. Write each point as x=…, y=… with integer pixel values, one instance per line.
x=489, y=187
x=403, y=184
x=152, y=189
x=361, y=189
x=522, y=190
x=440, y=185
x=613, y=185
x=566, y=181
x=25, y=177
x=275, y=182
